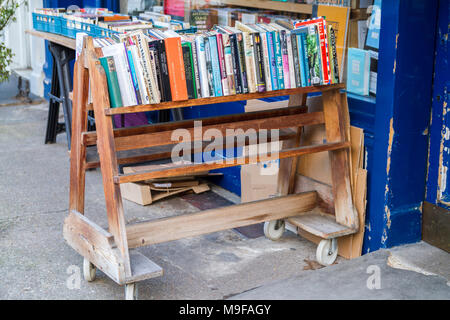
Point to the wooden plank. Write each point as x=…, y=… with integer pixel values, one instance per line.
x=55, y=38
x=90, y=138
x=323, y=226
x=190, y=225
x=270, y=5
x=79, y=125
x=227, y=130
x=186, y=169
x=214, y=100
x=324, y=192
x=162, y=152
x=108, y=159
x=95, y=244
x=340, y=162
x=436, y=226
x=142, y=268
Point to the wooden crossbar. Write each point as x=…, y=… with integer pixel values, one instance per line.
x=181, y=170
x=215, y=100
x=90, y=138
x=190, y=225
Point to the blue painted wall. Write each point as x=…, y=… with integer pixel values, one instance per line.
x=439, y=157
x=396, y=123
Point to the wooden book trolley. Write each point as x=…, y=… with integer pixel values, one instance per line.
x=109, y=250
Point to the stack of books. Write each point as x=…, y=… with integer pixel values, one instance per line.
x=159, y=66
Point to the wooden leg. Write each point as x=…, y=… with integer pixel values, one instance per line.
x=108, y=159
x=295, y=100
x=79, y=125
x=340, y=161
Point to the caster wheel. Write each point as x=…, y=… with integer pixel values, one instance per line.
x=131, y=291
x=89, y=270
x=274, y=230
x=327, y=251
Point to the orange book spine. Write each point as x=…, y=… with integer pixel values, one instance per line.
x=175, y=65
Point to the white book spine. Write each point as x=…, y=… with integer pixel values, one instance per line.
x=266, y=61
x=202, y=66
x=291, y=60
x=249, y=62
x=140, y=75
x=117, y=51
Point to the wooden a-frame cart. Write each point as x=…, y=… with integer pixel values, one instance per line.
x=109, y=250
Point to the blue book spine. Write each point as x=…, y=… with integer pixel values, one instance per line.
x=215, y=66
x=134, y=77
x=301, y=58
x=279, y=60
x=273, y=64
x=305, y=60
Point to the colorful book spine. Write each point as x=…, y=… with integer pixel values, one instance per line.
x=242, y=67
x=196, y=72
x=189, y=70
x=272, y=61
x=267, y=66
x=250, y=65
x=236, y=64
x=202, y=69
x=285, y=59
x=134, y=77
x=295, y=57
x=292, y=82
x=217, y=77
x=259, y=58
x=228, y=62
x=175, y=63
x=140, y=75
x=278, y=59
x=223, y=71
x=302, y=59
x=113, y=84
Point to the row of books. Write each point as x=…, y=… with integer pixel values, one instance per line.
x=164, y=66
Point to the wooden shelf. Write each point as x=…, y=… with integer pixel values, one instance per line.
x=214, y=100
x=271, y=5
x=55, y=38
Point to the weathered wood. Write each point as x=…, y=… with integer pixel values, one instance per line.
x=339, y=159
x=164, y=152
x=90, y=138
x=226, y=129
x=55, y=38
x=214, y=100
x=321, y=225
x=142, y=268
x=108, y=160
x=190, y=225
x=186, y=169
x=95, y=244
x=79, y=125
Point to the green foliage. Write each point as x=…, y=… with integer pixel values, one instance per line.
x=7, y=11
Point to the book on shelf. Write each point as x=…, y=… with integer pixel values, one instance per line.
x=358, y=71
x=143, y=67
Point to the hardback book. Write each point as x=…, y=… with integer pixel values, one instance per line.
x=175, y=64
x=162, y=72
x=209, y=67
x=113, y=84
x=250, y=62
x=228, y=62
x=134, y=76
x=265, y=54
x=358, y=71
x=217, y=76
x=202, y=69
x=118, y=52
x=295, y=57
x=282, y=58
x=223, y=70
x=272, y=58
x=145, y=99
x=321, y=27
x=196, y=72
x=139, y=39
x=334, y=65
x=189, y=70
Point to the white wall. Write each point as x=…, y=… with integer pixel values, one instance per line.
x=29, y=51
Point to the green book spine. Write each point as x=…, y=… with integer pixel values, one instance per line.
x=113, y=83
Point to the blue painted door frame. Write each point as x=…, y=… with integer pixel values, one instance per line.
x=438, y=191
x=396, y=123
